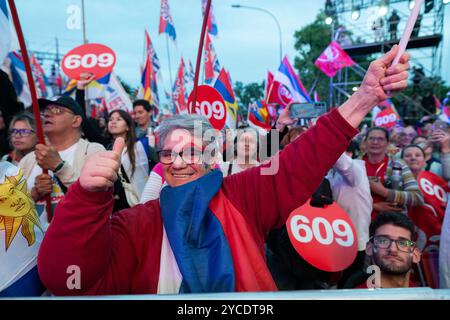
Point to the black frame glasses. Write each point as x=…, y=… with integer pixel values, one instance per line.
x=189, y=155
x=20, y=132
x=384, y=242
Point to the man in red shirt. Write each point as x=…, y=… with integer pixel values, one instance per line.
x=206, y=233
x=392, y=250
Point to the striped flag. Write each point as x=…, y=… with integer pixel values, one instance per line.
x=437, y=104
x=224, y=87
x=258, y=117
x=212, y=65
x=212, y=24
x=150, y=51
x=179, y=95
x=286, y=86
x=149, y=89
x=39, y=77
x=5, y=32
x=19, y=78
x=166, y=24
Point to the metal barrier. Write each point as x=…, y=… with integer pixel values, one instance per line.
x=354, y=294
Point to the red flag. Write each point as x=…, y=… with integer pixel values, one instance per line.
x=278, y=94
x=179, y=91
x=39, y=76
x=333, y=59
x=211, y=62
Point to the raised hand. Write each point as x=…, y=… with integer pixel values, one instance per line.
x=380, y=81
x=85, y=79
x=285, y=118
x=443, y=138
x=100, y=170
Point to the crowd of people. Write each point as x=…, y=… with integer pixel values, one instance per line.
x=136, y=206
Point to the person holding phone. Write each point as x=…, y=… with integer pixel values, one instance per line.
x=380, y=167
x=438, y=162
x=440, y=136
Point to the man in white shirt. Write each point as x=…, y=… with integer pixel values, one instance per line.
x=63, y=155
x=351, y=190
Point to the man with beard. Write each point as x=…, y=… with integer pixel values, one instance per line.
x=391, y=249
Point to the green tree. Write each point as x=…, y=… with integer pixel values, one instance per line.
x=128, y=88
x=248, y=93
x=418, y=98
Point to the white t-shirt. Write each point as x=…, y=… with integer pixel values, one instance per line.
x=140, y=176
x=57, y=193
x=351, y=190
x=235, y=168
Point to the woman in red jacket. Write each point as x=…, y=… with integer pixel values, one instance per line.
x=206, y=233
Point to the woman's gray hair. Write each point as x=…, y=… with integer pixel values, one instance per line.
x=195, y=124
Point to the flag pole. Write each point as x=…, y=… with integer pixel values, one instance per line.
x=86, y=89
x=37, y=114
x=170, y=66
x=313, y=87
x=271, y=86
x=144, y=50
x=200, y=52
x=270, y=90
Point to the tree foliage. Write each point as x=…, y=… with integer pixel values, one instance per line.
x=248, y=93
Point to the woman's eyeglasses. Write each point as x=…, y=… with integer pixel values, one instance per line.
x=188, y=155
x=20, y=132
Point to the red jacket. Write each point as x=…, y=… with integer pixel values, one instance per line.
x=121, y=255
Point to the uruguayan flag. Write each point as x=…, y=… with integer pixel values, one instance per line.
x=20, y=236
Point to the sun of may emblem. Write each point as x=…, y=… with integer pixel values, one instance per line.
x=17, y=210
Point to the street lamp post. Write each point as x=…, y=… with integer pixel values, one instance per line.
x=270, y=14
x=84, y=22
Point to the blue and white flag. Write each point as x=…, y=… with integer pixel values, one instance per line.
x=289, y=79
x=5, y=32
x=19, y=78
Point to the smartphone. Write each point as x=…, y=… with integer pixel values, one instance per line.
x=439, y=124
x=307, y=110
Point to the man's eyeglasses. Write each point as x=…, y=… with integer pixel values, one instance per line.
x=188, y=155
x=54, y=109
x=410, y=135
x=378, y=139
x=20, y=132
x=384, y=242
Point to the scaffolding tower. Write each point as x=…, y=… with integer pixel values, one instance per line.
x=365, y=28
